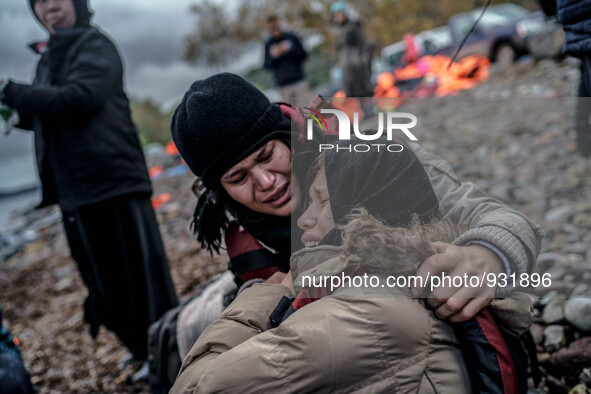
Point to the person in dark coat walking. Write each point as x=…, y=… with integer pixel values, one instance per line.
x=575, y=16
x=90, y=162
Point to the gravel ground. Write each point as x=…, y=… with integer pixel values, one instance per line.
x=513, y=136
x=42, y=296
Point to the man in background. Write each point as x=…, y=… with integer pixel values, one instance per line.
x=284, y=55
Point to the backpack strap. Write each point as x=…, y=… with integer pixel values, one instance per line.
x=250, y=259
x=491, y=363
x=505, y=362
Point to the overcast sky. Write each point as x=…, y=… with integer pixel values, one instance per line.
x=149, y=34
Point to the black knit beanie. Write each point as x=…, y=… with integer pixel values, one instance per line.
x=392, y=186
x=220, y=121
x=83, y=14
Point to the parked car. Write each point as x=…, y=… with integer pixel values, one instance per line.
x=505, y=32
x=501, y=34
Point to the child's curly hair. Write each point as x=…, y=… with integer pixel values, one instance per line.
x=375, y=247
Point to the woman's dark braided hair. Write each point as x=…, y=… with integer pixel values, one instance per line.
x=210, y=219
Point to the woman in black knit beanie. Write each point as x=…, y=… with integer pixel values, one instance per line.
x=238, y=143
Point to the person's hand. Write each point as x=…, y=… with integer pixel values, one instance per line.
x=288, y=282
x=284, y=47
x=277, y=277
x=458, y=304
x=275, y=50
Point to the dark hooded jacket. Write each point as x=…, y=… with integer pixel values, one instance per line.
x=575, y=16
x=87, y=146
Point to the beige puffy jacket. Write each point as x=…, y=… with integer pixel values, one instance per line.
x=354, y=340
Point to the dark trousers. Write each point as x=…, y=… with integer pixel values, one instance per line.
x=120, y=255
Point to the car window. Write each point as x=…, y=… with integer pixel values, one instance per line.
x=461, y=27
x=392, y=54
x=429, y=46
x=495, y=16
x=501, y=15
x=493, y=19
x=442, y=37
x=510, y=11
x=395, y=58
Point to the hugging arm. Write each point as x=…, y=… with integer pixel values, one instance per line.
x=499, y=238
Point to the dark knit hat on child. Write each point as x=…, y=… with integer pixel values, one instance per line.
x=220, y=121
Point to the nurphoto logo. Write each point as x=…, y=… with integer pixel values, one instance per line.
x=390, y=122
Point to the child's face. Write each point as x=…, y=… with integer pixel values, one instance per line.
x=317, y=220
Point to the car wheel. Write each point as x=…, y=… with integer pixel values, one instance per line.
x=505, y=54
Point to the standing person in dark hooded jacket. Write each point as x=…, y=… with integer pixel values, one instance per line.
x=90, y=163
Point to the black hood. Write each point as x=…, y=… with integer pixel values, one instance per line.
x=83, y=14
x=390, y=186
